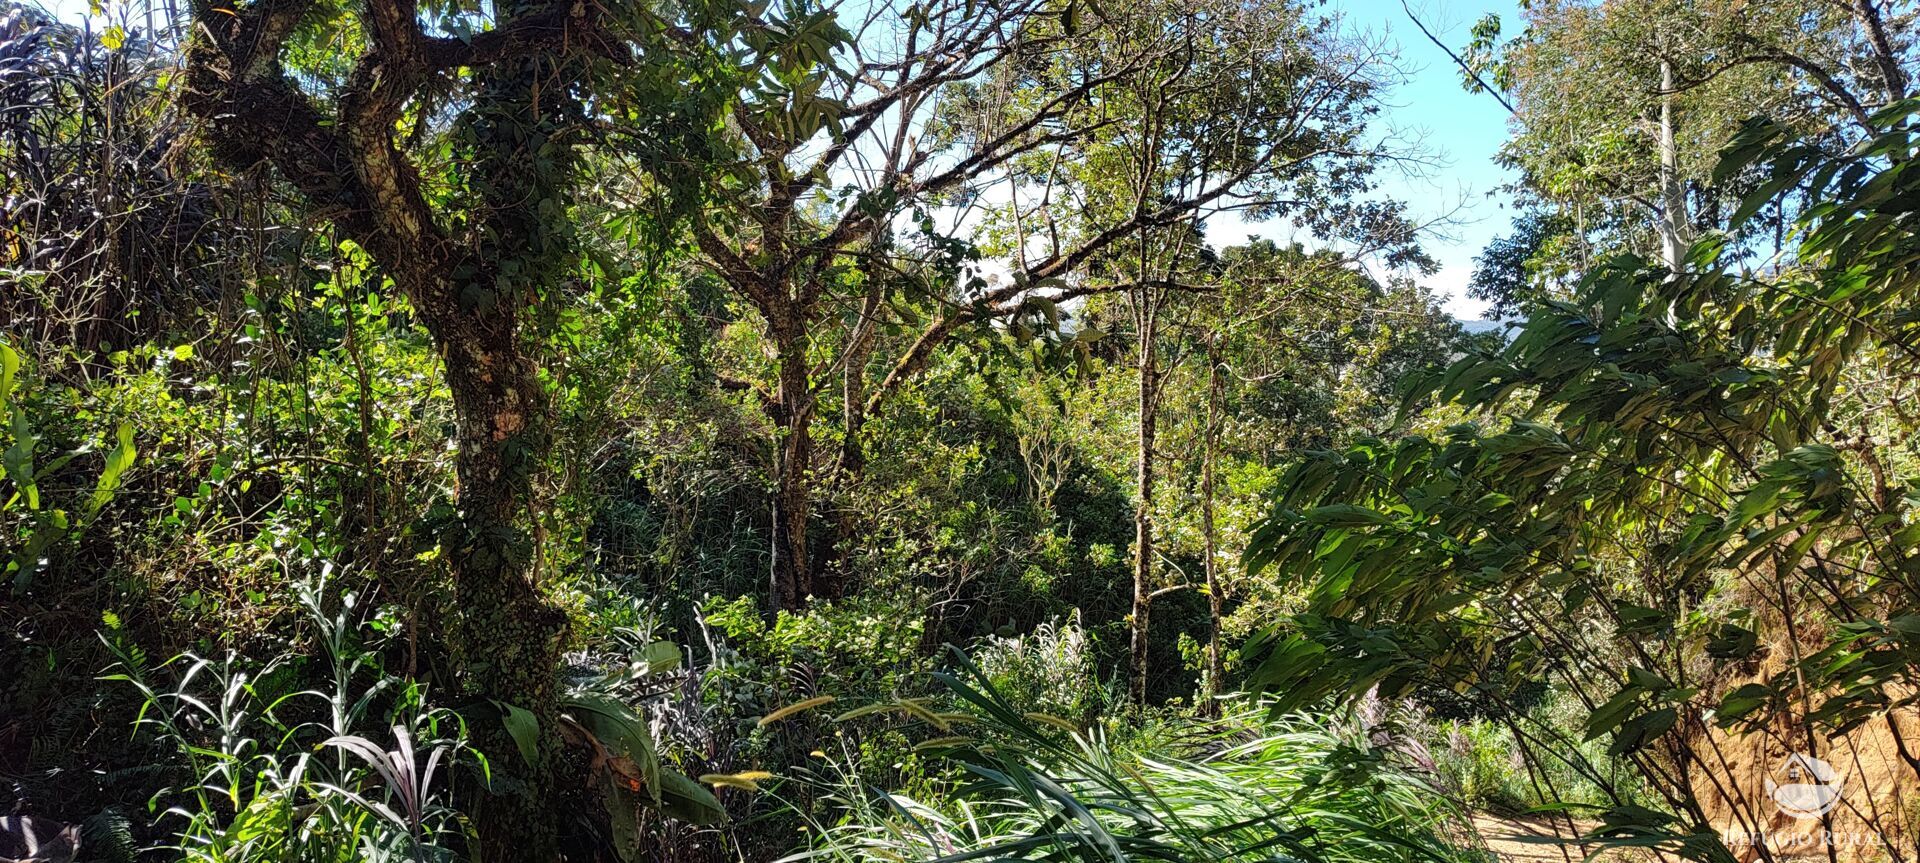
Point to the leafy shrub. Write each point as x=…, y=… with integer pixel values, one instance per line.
x=33, y=521
x=864, y=646
x=1478, y=763
x=1050, y=669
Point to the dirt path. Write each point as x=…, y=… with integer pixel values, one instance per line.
x=1506, y=838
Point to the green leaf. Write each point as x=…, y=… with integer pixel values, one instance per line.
x=1733, y=642
x=622, y=731
x=118, y=460
x=1647, y=680
x=624, y=818
x=1345, y=515
x=1608, y=716
x=661, y=656
x=1636, y=733
x=18, y=458
x=1640, y=620
x=689, y=801
x=9, y=367
x=1740, y=702
x=524, y=728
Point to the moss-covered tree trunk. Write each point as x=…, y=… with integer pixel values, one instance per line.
x=471, y=270
x=507, y=634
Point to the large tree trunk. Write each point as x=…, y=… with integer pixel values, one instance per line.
x=792, y=578
x=507, y=634
x=510, y=636
x=469, y=286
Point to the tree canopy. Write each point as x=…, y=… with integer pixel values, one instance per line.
x=752, y=431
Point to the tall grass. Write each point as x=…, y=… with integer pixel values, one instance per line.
x=1248, y=788
x=262, y=788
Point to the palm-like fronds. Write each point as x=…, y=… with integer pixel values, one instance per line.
x=1260, y=789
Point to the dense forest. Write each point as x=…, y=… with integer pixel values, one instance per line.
x=740, y=430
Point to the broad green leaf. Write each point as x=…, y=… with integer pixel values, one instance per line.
x=9, y=368
x=1736, y=705
x=524, y=728
x=660, y=656
x=689, y=801
x=1733, y=642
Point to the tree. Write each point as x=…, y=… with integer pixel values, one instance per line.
x=1189, y=121
x=861, y=157
x=472, y=247
x=816, y=106
x=1670, y=478
x=1622, y=106
x=1509, y=272
x=1289, y=351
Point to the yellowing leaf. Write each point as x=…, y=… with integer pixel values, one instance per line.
x=746, y=781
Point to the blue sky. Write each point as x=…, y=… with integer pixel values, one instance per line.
x=1464, y=131
x=1458, y=131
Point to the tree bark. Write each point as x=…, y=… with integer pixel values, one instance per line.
x=1147, y=317
x=1673, y=197
x=1209, y=541
x=468, y=288
x=508, y=635
x=1886, y=59
x=791, y=576
x=789, y=407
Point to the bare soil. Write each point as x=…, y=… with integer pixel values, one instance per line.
x=1516, y=839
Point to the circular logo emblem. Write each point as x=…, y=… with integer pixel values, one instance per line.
x=1804, y=786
